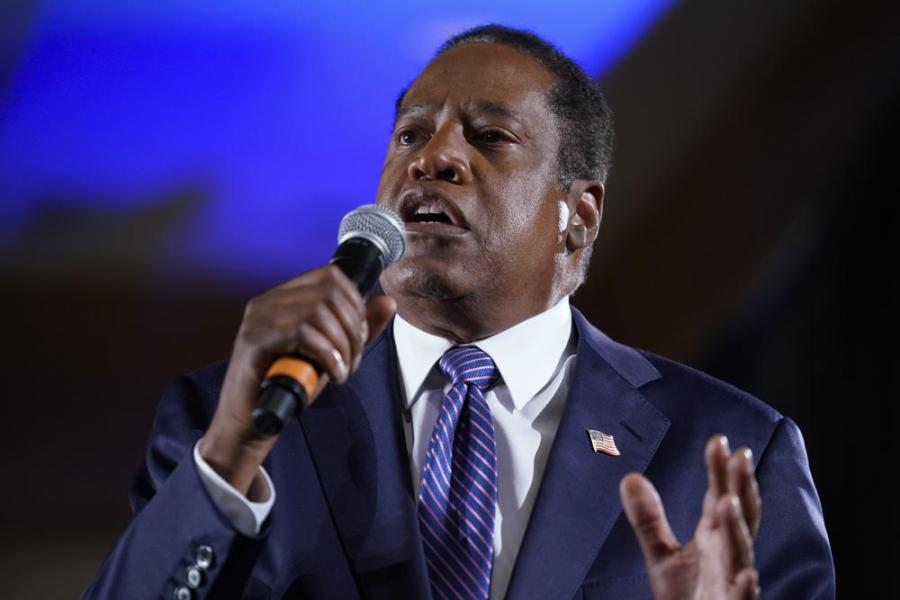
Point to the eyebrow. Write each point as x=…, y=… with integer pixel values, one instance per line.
x=498, y=110
x=411, y=108
x=482, y=105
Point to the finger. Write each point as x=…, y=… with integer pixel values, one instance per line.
x=379, y=311
x=322, y=274
x=315, y=345
x=351, y=322
x=329, y=325
x=738, y=544
x=298, y=300
x=348, y=288
x=716, y=455
x=746, y=585
x=742, y=483
x=328, y=274
x=301, y=280
x=645, y=512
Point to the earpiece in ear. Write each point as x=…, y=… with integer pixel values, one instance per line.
x=563, y=216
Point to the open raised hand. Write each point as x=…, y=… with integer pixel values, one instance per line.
x=718, y=561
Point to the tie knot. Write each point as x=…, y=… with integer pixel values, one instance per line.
x=470, y=365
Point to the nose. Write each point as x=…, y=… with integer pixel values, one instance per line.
x=443, y=158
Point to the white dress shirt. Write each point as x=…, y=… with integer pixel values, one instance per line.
x=245, y=515
x=535, y=360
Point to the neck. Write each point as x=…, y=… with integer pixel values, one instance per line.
x=464, y=320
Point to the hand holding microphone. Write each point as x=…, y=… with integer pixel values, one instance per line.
x=296, y=337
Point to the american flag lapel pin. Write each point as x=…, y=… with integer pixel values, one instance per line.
x=603, y=442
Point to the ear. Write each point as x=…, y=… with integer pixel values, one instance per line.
x=585, y=201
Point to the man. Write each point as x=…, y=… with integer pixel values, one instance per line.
x=451, y=457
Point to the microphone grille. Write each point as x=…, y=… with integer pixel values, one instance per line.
x=378, y=224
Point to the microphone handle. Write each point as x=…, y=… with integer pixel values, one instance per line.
x=291, y=381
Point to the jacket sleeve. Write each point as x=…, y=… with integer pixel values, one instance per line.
x=178, y=543
x=793, y=555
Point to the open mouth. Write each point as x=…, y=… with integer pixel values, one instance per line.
x=430, y=213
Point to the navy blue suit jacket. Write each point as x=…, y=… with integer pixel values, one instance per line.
x=344, y=523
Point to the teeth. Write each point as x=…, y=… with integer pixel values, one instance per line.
x=428, y=210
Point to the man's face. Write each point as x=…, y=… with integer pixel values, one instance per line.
x=472, y=170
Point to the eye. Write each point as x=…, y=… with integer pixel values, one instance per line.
x=490, y=136
x=407, y=137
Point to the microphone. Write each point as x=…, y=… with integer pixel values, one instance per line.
x=370, y=239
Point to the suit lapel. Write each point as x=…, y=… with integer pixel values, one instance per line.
x=356, y=440
x=578, y=501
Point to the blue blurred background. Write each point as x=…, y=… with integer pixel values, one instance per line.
x=254, y=126
x=162, y=162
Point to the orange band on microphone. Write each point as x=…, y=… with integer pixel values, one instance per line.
x=297, y=369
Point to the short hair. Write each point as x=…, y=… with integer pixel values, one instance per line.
x=584, y=118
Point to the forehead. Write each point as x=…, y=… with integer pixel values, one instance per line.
x=482, y=74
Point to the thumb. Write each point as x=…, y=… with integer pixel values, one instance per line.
x=379, y=310
x=645, y=512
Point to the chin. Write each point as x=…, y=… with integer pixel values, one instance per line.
x=415, y=282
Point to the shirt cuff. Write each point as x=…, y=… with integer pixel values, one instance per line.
x=245, y=515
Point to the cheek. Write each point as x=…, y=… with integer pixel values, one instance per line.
x=527, y=216
x=393, y=172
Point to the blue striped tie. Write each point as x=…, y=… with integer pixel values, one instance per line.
x=459, y=481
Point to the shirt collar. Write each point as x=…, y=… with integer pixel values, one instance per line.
x=527, y=354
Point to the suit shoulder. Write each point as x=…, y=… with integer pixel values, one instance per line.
x=207, y=380
x=681, y=388
x=685, y=395
x=191, y=398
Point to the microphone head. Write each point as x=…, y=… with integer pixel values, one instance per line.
x=380, y=225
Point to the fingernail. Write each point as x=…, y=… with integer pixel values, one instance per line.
x=724, y=441
x=364, y=331
x=356, y=361
x=341, y=366
x=748, y=454
x=735, y=506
